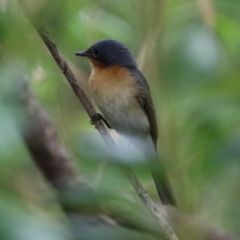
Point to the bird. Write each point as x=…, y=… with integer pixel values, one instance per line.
x=123, y=96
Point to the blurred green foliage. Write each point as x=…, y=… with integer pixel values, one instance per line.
x=189, y=52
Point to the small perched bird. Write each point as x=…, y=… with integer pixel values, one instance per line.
x=122, y=94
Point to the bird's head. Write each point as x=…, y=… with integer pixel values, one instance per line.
x=107, y=53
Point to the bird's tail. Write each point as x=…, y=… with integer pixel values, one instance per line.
x=161, y=182
x=146, y=146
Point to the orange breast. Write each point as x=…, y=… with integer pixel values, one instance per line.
x=114, y=92
x=111, y=84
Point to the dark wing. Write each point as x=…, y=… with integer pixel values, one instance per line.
x=145, y=100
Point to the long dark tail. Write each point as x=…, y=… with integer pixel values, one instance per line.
x=161, y=182
x=146, y=146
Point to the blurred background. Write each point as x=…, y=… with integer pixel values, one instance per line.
x=189, y=51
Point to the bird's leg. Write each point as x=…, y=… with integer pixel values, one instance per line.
x=98, y=117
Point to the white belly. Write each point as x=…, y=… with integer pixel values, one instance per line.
x=124, y=115
x=114, y=92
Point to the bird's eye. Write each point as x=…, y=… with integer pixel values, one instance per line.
x=95, y=52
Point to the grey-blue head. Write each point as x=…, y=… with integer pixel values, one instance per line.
x=109, y=53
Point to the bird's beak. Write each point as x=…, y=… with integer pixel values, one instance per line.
x=82, y=53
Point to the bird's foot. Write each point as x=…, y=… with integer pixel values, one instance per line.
x=96, y=117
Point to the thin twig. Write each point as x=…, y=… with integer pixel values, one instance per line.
x=99, y=125
x=149, y=203
x=60, y=170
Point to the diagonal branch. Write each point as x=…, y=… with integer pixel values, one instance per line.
x=42, y=141
x=99, y=125
x=60, y=170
